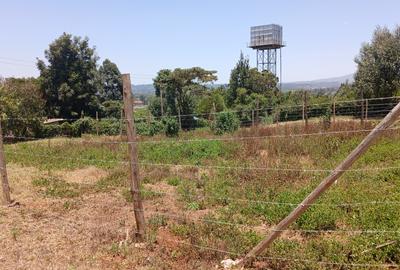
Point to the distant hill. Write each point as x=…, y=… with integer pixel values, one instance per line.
x=143, y=89
x=321, y=84
x=329, y=83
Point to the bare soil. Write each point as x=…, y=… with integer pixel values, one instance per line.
x=87, y=232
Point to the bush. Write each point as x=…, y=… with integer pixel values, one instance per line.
x=84, y=125
x=226, y=122
x=110, y=126
x=171, y=126
x=50, y=130
x=112, y=109
x=143, y=128
x=201, y=123
x=66, y=129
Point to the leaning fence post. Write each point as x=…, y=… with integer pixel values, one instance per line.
x=324, y=185
x=133, y=156
x=3, y=169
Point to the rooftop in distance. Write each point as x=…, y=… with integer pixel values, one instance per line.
x=266, y=37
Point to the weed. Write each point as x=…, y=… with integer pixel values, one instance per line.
x=14, y=233
x=146, y=194
x=55, y=187
x=174, y=181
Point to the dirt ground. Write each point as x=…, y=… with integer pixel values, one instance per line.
x=88, y=232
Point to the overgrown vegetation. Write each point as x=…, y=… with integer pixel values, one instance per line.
x=236, y=200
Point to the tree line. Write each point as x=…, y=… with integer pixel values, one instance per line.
x=72, y=84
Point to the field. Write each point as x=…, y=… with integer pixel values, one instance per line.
x=205, y=199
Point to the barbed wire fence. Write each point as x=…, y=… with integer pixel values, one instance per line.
x=369, y=112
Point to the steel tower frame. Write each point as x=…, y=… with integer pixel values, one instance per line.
x=267, y=59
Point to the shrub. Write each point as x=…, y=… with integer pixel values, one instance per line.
x=201, y=123
x=171, y=126
x=112, y=109
x=155, y=128
x=109, y=126
x=66, y=129
x=226, y=122
x=51, y=130
x=142, y=128
x=326, y=118
x=84, y=125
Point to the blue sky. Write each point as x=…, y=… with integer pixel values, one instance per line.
x=322, y=37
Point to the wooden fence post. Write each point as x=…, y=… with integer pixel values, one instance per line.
x=179, y=113
x=324, y=185
x=362, y=111
x=133, y=156
x=305, y=109
x=161, y=103
x=97, y=123
x=257, y=111
x=121, y=121
x=3, y=169
x=252, y=118
x=149, y=119
x=334, y=111
x=303, y=113
x=366, y=109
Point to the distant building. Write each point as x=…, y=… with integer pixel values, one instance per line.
x=137, y=103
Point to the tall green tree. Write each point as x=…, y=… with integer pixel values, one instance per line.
x=181, y=88
x=378, y=65
x=247, y=83
x=111, y=81
x=240, y=78
x=21, y=106
x=70, y=81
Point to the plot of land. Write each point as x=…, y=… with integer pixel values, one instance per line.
x=202, y=198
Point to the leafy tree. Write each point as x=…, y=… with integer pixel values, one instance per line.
x=346, y=91
x=21, y=106
x=226, y=122
x=378, y=72
x=111, y=109
x=245, y=81
x=240, y=77
x=207, y=102
x=70, y=80
x=111, y=81
x=181, y=87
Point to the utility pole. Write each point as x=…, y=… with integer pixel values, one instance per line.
x=133, y=157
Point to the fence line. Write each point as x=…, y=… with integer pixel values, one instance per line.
x=213, y=166
x=289, y=203
x=279, y=107
x=261, y=228
x=358, y=265
x=325, y=133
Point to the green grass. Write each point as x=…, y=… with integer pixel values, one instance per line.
x=225, y=191
x=56, y=187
